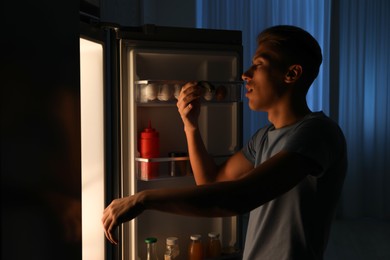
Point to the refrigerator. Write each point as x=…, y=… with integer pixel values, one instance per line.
x=129, y=80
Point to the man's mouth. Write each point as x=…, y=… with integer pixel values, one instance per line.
x=249, y=88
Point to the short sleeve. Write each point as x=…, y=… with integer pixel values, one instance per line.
x=253, y=148
x=319, y=139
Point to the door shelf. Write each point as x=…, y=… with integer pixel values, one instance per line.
x=151, y=169
x=179, y=158
x=167, y=91
x=162, y=159
x=164, y=168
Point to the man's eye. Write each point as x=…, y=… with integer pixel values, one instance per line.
x=256, y=66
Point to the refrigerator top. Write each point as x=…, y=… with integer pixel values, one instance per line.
x=150, y=32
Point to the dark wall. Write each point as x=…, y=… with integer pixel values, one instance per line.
x=40, y=130
x=40, y=119
x=176, y=13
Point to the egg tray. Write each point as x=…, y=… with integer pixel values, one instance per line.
x=167, y=91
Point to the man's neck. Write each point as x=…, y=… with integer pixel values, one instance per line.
x=283, y=116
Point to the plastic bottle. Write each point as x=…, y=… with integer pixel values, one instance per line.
x=172, y=248
x=151, y=248
x=213, y=247
x=195, y=249
x=149, y=147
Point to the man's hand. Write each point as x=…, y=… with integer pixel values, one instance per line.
x=119, y=211
x=188, y=105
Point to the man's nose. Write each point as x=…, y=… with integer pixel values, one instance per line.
x=246, y=76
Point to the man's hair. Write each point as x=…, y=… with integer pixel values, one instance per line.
x=297, y=46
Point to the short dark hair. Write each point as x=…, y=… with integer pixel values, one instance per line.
x=297, y=46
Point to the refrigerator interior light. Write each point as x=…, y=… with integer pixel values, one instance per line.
x=92, y=148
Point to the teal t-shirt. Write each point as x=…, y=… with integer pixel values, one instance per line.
x=296, y=224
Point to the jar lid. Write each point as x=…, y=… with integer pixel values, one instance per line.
x=172, y=241
x=150, y=240
x=196, y=237
x=213, y=234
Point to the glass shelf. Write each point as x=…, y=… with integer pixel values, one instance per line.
x=162, y=159
x=172, y=159
x=167, y=167
x=167, y=91
x=163, y=167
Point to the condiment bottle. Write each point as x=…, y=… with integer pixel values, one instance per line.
x=149, y=147
x=151, y=248
x=172, y=248
x=195, y=249
x=213, y=247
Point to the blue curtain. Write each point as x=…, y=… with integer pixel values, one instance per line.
x=352, y=86
x=364, y=104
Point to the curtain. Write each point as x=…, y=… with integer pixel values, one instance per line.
x=352, y=86
x=364, y=109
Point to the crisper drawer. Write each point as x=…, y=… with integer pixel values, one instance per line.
x=157, y=91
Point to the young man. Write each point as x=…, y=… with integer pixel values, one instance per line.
x=289, y=175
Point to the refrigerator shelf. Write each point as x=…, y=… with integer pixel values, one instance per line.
x=172, y=159
x=167, y=167
x=182, y=82
x=167, y=91
x=167, y=179
x=162, y=159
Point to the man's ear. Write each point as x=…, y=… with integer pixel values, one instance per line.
x=294, y=72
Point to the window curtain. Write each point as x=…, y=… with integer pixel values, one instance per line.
x=364, y=109
x=352, y=86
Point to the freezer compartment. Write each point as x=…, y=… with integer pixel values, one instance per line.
x=155, y=91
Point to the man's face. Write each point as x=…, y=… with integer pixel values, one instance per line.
x=264, y=80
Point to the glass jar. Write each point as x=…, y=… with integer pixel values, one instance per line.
x=172, y=248
x=213, y=247
x=195, y=249
x=151, y=248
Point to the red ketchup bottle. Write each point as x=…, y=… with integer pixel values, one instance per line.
x=149, y=147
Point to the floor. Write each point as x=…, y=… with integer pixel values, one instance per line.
x=359, y=240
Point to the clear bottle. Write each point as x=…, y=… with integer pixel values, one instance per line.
x=172, y=250
x=213, y=247
x=195, y=249
x=151, y=248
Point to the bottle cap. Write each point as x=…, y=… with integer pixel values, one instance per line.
x=150, y=240
x=172, y=241
x=196, y=237
x=149, y=132
x=213, y=234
